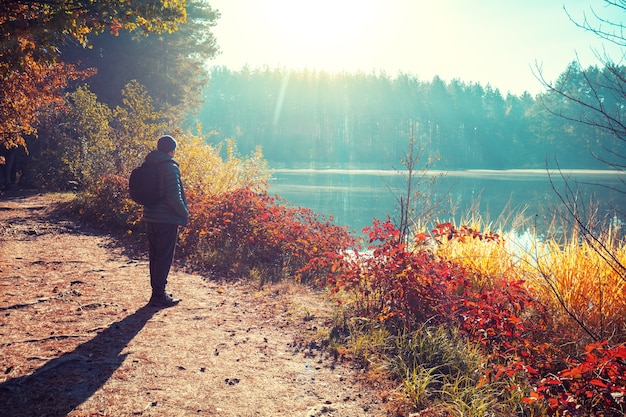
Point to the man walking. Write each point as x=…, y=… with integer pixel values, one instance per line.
x=163, y=219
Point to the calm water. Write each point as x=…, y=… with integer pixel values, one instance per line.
x=355, y=197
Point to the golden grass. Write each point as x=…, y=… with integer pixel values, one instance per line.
x=579, y=277
x=572, y=276
x=488, y=259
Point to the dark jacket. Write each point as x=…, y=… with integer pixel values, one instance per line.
x=172, y=206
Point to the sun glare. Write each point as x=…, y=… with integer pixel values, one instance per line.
x=322, y=33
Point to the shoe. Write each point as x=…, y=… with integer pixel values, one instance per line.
x=163, y=301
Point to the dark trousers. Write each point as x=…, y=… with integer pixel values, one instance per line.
x=162, y=238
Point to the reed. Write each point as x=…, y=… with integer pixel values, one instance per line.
x=581, y=282
x=490, y=260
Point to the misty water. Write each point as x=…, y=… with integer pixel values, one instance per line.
x=355, y=197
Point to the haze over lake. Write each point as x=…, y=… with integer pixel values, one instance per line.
x=355, y=197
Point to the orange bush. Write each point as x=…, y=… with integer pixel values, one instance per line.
x=404, y=289
x=237, y=232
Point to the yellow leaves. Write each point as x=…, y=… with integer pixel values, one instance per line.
x=48, y=24
x=204, y=170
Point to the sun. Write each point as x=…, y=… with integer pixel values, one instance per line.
x=321, y=33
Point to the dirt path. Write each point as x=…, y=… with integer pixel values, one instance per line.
x=76, y=337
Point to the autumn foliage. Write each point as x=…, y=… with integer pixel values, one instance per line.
x=26, y=94
x=527, y=354
x=403, y=289
x=237, y=233
x=595, y=382
x=32, y=78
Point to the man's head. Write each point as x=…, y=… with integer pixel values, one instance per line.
x=166, y=144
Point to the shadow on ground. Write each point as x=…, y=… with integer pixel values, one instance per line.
x=65, y=382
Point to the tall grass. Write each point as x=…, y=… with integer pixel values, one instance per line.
x=491, y=260
x=441, y=368
x=584, y=287
x=581, y=284
x=462, y=397
x=429, y=361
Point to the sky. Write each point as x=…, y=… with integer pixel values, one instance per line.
x=497, y=42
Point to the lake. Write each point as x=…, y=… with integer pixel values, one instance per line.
x=355, y=197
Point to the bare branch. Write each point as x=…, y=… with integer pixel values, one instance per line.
x=615, y=31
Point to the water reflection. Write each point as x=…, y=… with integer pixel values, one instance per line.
x=356, y=197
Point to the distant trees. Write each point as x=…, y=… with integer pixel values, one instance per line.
x=595, y=99
x=364, y=119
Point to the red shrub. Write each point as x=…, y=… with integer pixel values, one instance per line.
x=233, y=233
x=397, y=286
x=404, y=289
x=595, y=385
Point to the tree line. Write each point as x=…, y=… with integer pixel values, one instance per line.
x=301, y=118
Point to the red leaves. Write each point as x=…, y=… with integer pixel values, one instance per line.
x=596, y=383
x=398, y=286
x=449, y=231
x=235, y=233
x=403, y=289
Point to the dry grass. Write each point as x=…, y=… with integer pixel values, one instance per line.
x=489, y=259
x=571, y=276
x=574, y=275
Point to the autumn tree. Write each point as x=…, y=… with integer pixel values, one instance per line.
x=88, y=140
x=49, y=24
x=136, y=125
x=37, y=86
x=171, y=66
x=31, y=33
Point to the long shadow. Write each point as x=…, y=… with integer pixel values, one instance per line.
x=65, y=382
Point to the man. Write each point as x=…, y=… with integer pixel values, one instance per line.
x=163, y=220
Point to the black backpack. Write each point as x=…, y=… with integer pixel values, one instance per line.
x=143, y=184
